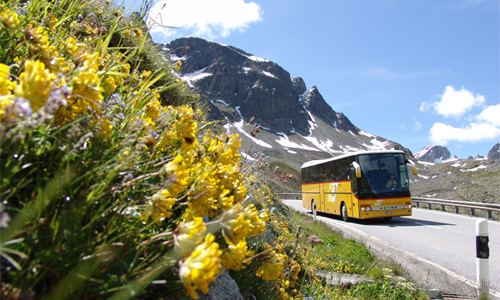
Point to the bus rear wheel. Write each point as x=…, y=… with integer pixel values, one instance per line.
x=343, y=212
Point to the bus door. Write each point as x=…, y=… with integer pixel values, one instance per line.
x=321, y=198
x=332, y=197
x=327, y=197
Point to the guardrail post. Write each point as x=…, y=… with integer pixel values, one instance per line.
x=456, y=210
x=482, y=257
x=472, y=212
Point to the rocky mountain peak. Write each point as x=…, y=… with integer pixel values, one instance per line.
x=257, y=88
x=494, y=153
x=433, y=153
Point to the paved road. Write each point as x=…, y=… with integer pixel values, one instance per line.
x=445, y=240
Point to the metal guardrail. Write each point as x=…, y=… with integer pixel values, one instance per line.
x=488, y=207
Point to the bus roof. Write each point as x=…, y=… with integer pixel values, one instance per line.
x=320, y=161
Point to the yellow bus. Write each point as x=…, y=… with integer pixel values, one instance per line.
x=361, y=185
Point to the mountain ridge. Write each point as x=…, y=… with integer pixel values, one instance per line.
x=245, y=92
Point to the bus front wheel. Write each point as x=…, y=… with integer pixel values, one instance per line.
x=343, y=211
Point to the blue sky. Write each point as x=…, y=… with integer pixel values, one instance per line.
x=418, y=72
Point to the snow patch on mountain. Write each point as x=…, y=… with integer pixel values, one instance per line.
x=239, y=126
x=326, y=146
x=481, y=167
x=377, y=145
x=221, y=101
x=361, y=132
x=190, y=78
x=268, y=74
x=285, y=142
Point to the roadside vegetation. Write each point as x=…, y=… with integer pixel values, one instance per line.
x=328, y=253
x=113, y=185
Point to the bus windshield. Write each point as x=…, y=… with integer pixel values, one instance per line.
x=382, y=175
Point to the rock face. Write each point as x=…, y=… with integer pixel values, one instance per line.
x=256, y=87
x=494, y=153
x=433, y=154
x=223, y=288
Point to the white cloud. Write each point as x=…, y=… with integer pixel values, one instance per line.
x=441, y=133
x=204, y=18
x=490, y=114
x=454, y=103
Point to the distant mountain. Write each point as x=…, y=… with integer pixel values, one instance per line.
x=274, y=113
x=433, y=154
x=494, y=153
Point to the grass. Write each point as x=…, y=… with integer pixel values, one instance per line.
x=331, y=252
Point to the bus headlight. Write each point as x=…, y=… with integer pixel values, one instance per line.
x=366, y=208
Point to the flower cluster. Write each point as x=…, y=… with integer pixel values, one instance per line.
x=345, y=267
x=8, y=18
x=201, y=267
x=74, y=96
x=273, y=264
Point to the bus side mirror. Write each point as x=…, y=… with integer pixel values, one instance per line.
x=357, y=169
x=413, y=167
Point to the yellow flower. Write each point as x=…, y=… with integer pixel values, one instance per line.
x=35, y=84
x=176, y=176
x=88, y=62
x=235, y=255
x=86, y=92
x=126, y=68
x=70, y=46
x=9, y=19
x=103, y=127
x=162, y=203
x=154, y=108
x=51, y=22
x=178, y=65
x=138, y=33
x=273, y=265
x=126, y=33
x=182, y=129
x=238, y=223
x=294, y=271
x=188, y=235
x=109, y=85
x=5, y=103
x=6, y=85
x=36, y=35
x=145, y=74
x=201, y=267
